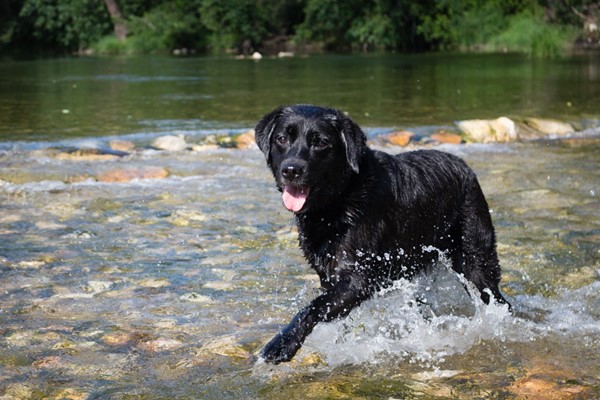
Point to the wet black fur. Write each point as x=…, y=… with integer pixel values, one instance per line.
x=370, y=216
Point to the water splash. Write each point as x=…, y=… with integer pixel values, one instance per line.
x=422, y=321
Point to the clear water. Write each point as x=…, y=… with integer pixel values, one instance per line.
x=168, y=288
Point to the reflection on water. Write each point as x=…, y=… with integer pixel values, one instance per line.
x=55, y=99
x=167, y=288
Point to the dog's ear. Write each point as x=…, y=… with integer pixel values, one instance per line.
x=355, y=141
x=264, y=131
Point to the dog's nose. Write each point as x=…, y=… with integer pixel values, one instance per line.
x=292, y=171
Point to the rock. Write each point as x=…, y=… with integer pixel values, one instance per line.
x=216, y=285
x=487, y=131
x=204, y=147
x=97, y=286
x=127, y=175
x=447, y=137
x=245, y=140
x=196, y=298
x=399, y=138
x=47, y=362
x=285, y=54
x=186, y=217
x=89, y=155
x=256, y=56
x=70, y=394
x=549, y=126
x=226, y=346
x=117, y=339
x=549, y=383
x=157, y=345
x=170, y=143
x=154, y=283
x=122, y=145
x=312, y=359
x=17, y=391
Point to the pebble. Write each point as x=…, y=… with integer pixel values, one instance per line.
x=245, y=140
x=204, y=147
x=447, y=137
x=170, y=143
x=122, y=145
x=399, y=138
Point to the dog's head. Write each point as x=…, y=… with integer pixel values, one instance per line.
x=312, y=151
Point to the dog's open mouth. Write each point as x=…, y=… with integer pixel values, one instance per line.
x=294, y=197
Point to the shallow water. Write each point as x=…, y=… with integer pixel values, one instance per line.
x=168, y=288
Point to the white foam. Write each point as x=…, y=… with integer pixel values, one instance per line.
x=393, y=325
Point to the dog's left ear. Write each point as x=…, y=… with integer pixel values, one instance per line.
x=264, y=131
x=354, y=140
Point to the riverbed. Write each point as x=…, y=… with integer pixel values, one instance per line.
x=168, y=285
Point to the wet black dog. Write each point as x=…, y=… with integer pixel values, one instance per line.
x=367, y=218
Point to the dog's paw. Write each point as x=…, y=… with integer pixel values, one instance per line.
x=281, y=348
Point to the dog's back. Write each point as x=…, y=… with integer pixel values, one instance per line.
x=366, y=218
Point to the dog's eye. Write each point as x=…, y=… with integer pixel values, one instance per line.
x=319, y=143
x=281, y=140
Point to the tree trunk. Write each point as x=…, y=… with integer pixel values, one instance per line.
x=117, y=19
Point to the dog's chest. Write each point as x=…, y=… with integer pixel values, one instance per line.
x=321, y=243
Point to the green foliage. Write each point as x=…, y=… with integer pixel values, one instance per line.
x=528, y=32
x=166, y=26
x=463, y=24
x=70, y=24
x=230, y=22
x=328, y=21
x=539, y=27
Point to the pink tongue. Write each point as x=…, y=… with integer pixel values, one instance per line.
x=294, y=197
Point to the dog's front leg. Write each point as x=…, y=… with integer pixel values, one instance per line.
x=350, y=290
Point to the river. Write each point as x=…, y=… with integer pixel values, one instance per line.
x=167, y=288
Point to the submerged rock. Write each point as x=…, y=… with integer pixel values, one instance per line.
x=546, y=382
x=75, y=154
x=196, y=298
x=488, y=131
x=156, y=345
x=129, y=174
x=550, y=126
x=122, y=145
x=170, y=143
x=226, y=346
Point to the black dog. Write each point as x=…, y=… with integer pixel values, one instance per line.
x=366, y=218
